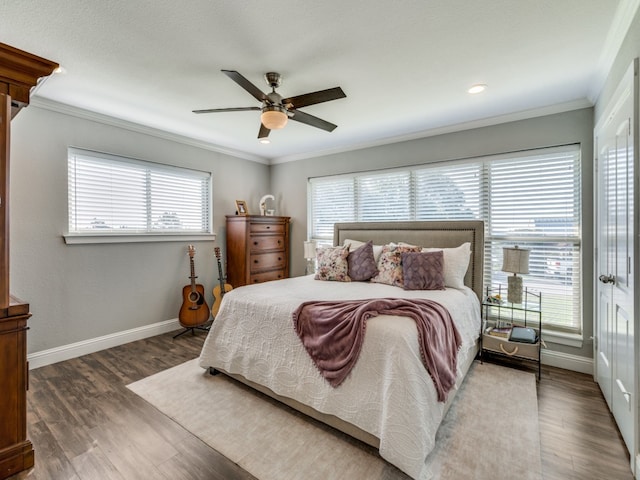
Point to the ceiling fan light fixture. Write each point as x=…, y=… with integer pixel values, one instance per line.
x=274, y=117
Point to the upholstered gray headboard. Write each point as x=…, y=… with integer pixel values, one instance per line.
x=444, y=234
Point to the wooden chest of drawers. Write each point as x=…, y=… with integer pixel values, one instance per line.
x=257, y=249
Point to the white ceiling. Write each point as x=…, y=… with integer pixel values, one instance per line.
x=404, y=66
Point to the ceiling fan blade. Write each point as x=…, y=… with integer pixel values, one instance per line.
x=320, y=96
x=302, y=117
x=246, y=84
x=238, y=109
x=264, y=131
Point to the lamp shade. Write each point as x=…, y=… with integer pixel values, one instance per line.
x=309, y=250
x=515, y=260
x=273, y=117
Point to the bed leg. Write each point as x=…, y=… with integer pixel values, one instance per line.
x=213, y=371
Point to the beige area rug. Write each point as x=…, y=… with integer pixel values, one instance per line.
x=490, y=433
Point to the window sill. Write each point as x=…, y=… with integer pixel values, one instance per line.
x=79, y=239
x=562, y=338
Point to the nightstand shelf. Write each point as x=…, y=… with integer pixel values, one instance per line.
x=498, y=314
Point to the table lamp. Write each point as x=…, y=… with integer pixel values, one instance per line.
x=515, y=260
x=310, y=255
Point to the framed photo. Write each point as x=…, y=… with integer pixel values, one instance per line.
x=241, y=207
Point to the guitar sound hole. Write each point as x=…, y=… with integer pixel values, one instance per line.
x=194, y=296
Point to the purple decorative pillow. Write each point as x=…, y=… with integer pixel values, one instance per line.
x=332, y=264
x=423, y=271
x=362, y=263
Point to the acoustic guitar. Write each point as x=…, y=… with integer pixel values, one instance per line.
x=194, y=310
x=219, y=290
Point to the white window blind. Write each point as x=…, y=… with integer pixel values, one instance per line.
x=383, y=197
x=332, y=202
x=534, y=201
x=115, y=195
x=451, y=192
x=531, y=199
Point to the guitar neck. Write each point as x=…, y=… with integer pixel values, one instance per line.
x=220, y=277
x=193, y=275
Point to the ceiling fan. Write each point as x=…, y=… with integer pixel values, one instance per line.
x=276, y=111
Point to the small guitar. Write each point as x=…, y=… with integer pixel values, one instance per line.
x=194, y=310
x=219, y=290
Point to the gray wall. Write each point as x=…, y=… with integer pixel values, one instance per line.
x=290, y=179
x=80, y=292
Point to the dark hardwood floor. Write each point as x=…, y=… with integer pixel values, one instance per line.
x=86, y=425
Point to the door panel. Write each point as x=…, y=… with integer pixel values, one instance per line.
x=605, y=240
x=623, y=375
x=604, y=374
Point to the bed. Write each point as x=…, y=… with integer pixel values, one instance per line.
x=388, y=400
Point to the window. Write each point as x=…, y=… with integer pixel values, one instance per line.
x=114, y=196
x=530, y=199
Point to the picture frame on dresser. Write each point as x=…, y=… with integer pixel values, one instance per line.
x=241, y=208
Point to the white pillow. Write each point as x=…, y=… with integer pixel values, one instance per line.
x=355, y=244
x=456, y=263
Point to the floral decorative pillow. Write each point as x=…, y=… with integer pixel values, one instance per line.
x=423, y=271
x=332, y=264
x=362, y=263
x=390, y=265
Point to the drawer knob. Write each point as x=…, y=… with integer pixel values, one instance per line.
x=255, y=261
x=268, y=227
x=255, y=243
x=279, y=259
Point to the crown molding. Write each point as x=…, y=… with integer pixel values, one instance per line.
x=484, y=122
x=618, y=30
x=52, y=105
x=66, y=109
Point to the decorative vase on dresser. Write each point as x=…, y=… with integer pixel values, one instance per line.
x=257, y=249
x=19, y=72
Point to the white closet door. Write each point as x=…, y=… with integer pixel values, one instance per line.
x=615, y=330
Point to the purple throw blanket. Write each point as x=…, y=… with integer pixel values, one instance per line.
x=333, y=331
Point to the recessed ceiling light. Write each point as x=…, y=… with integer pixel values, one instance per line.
x=478, y=88
x=265, y=140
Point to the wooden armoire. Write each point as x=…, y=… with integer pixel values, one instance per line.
x=19, y=72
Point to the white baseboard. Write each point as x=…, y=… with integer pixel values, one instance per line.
x=567, y=361
x=74, y=350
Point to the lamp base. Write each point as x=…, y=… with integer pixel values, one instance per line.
x=514, y=291
x=311, y=266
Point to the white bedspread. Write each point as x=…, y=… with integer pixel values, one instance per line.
x=388, y=393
